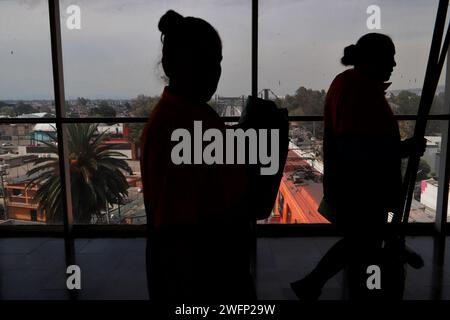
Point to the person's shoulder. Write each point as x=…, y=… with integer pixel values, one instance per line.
x=169, y=108
x=155, y=114
x=344, y=81
x=213, y=117
x=346, y=77
x=158, y=118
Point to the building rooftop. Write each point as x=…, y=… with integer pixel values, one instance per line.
x=24, y=178
x=45, y=127
x=36, y=115
x=304, y=184
x=433, y=140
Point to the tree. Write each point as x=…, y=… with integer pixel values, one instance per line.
x=47, y=109
x=438, y=105
x=434, y=127
x=82, y=101
x=8, y=111
x=424, y=171
x=24, y=108
x=141, y=106
x=18, y=109
x=103, y=110
x=305, y=102
x=96, y=175
x=407, y=102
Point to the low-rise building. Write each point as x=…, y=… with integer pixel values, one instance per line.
x=299, y=194
x=20, y=201
x=429, y=193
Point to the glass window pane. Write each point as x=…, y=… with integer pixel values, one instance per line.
x=30, y=187
x=26, y=85
x=105, y=174
x=301, y=189
x=424, y=202
x=301, y=43
x=301, y=186
x=115, y=55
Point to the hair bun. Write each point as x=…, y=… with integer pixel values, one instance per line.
x=169, y=21
x=350, y=55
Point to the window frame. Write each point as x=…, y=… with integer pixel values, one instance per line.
x=69, y=230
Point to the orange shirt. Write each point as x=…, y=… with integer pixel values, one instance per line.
x=186, y=194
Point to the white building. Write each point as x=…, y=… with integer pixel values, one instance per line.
x=429, y=194
x=116, y=128
x=432, y=152
x=36, y=115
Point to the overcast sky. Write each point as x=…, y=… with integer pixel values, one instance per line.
x=116, y=53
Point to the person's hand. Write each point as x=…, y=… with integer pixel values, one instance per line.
x=416, y=146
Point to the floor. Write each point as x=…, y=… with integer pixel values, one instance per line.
x=34, y=268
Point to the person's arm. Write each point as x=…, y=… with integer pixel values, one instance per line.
x=263, y=186
x=413, y=146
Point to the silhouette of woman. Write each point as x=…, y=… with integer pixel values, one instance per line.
x=200, y=217
x=362, y=159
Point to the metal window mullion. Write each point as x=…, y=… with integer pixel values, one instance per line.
x=444, y=170
x=254, y=48
x=63, y=151
x=254, y=93
x=58, y=83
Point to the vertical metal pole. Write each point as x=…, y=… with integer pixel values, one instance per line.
x=254, y=48
x=4, y=194
x=444, y=170
x=64, y=170
x=429, y=87
x=118, y=209
x=253, y=258
x=107, y=211
x=437, y=272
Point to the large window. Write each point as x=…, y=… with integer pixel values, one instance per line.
x=26, y=91
x=301, y=43
x=26, y=87
x=111, y=69
x=113, y=61
x=300, y=46
x=29, y=180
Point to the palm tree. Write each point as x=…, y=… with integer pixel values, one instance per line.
x=96, y=175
